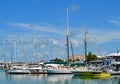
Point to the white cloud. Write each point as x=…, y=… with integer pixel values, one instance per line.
x=103, y=36
x=55, y=45
x=99, y=36
x=43, y=46
x=54, y=41
x=75, y=43
x=43, y=28
x=116, y=22
x=75, y=8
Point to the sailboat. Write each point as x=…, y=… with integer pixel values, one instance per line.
x=62, y=69
x=18, y=68
x=87, y=72
x=37, y=68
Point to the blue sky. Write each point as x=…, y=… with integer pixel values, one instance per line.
x=46, y=20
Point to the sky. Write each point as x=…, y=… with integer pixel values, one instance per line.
x=40, y=26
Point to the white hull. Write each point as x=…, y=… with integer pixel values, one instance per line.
x=85, y=72
x=21, y=71
x=58, y=71
x=114, y=72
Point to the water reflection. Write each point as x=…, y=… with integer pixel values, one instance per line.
x=38, y=79
x=25, y=78
x=115, y=79
x=53, y=79
x=59, y=79
x=91, y=80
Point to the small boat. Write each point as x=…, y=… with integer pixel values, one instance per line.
x=18, y=70
x=86, y=72
x=58, y=68
x=18, y=67
x=113, y=72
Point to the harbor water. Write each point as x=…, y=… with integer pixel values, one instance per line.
x=53, y=79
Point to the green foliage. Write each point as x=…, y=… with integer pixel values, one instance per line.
x=71, y=60
x=58, y=60
x=91, y=57
x=5, y=66
x=77, y=59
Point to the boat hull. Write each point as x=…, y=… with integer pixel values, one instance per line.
x=83, y=73
x=93, y=74
x=114, y=72
x=18, y=72
x=57, y=71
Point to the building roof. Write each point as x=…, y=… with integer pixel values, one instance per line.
x=80, y=57
x=114, y=54
x=100, y=56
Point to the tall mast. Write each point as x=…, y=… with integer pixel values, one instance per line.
x=15, y=49
x=85, y=44
x=72, y=50
x=36, y=48
x=67, y=36
x=10, y=52
x=23, y=51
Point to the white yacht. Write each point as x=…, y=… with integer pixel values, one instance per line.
x=58, y=68
x=18, y=69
